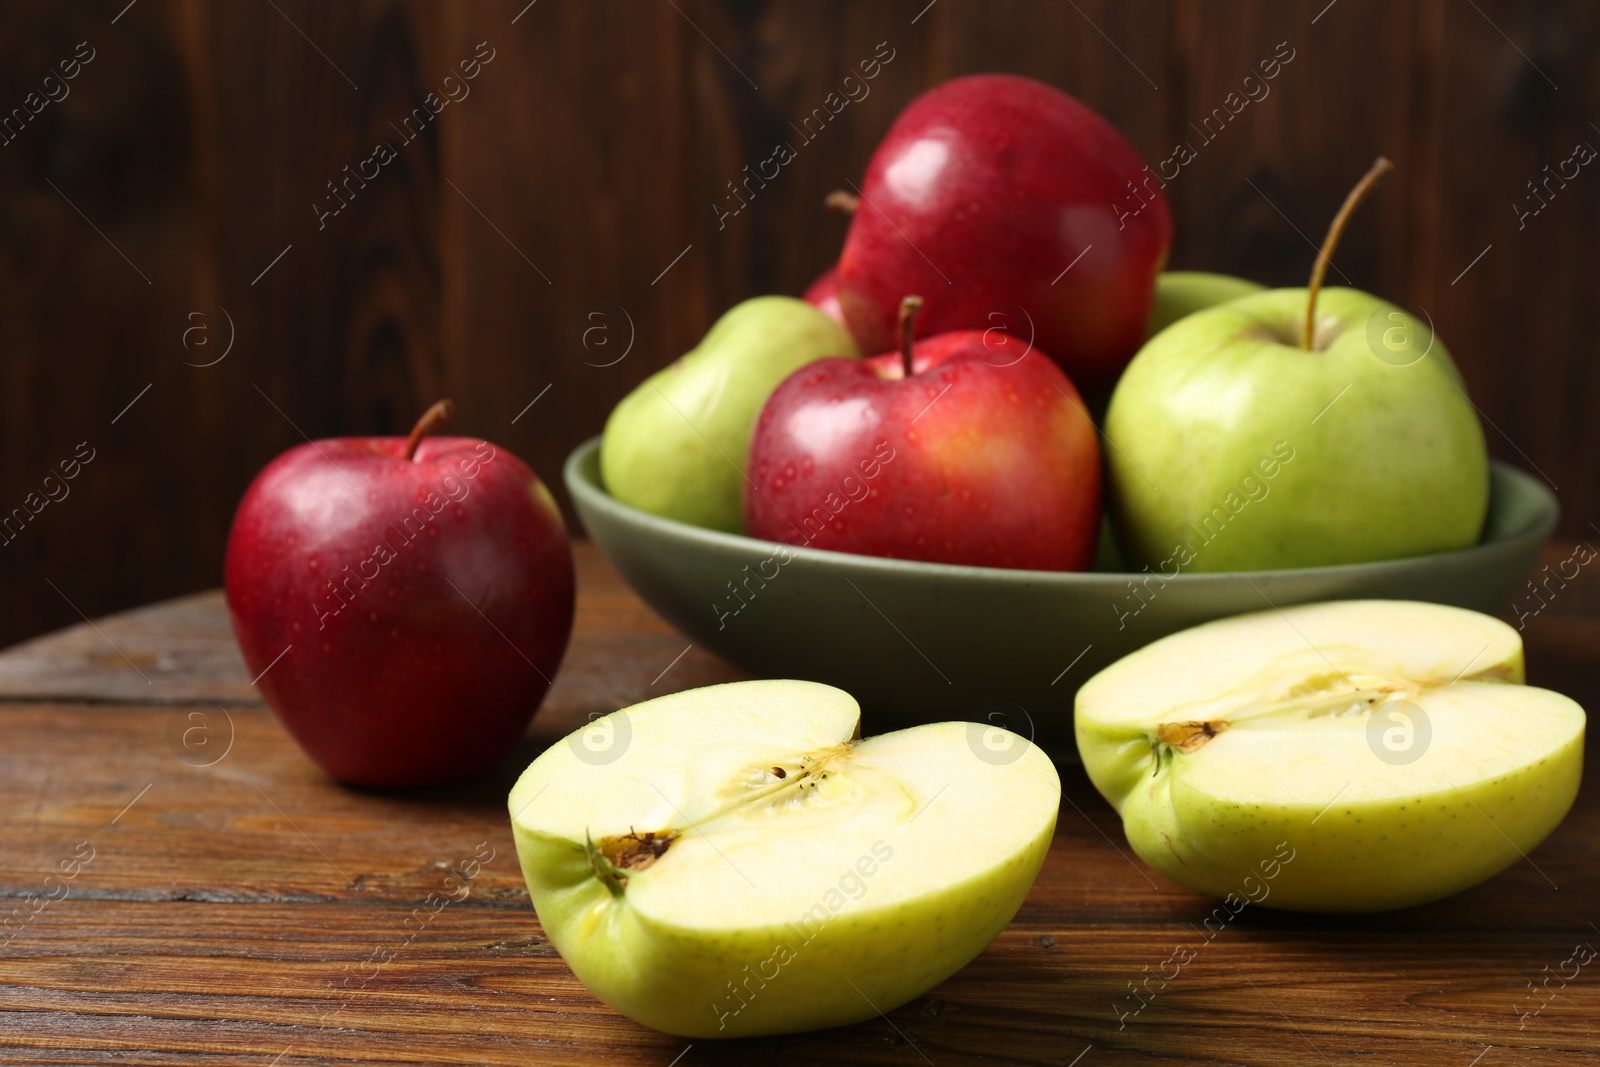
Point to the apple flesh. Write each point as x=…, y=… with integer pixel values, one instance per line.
x=1180, y=293
x=1237, y=449
x=982, y=455
x=420, y=606
x=676, y=445
x=1002, y=192
x=1345, y=757
x=732, y=861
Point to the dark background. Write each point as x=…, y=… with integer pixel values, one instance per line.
x=587, y=157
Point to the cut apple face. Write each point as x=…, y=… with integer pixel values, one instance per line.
x=734, y=861
x=1349, y=756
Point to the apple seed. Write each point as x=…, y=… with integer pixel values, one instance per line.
x=1188, y=736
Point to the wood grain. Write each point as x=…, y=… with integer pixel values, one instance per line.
x=481, y=985
x=239, y=906
x=1504, y=115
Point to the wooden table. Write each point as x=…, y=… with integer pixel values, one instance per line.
x=232, y=905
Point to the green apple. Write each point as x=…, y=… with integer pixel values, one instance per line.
x=733, y=861
x=1180, y=293
x=1350, y=756
x=676, y=445
x=1237, y=449
x=1275, y=431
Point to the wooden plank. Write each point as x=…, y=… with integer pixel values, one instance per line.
x=1116, y=58
x=213, y=839
x=360, y=254
x=1515, y=98
x=223, y=908
x=349, y=982
x=99, y=230
x=263, y=823
x=178, y=651
x=563, y=198
x=1274, y=157
x=183, y=652
x=777, y=236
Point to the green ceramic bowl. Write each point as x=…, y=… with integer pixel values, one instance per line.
x=927, y=642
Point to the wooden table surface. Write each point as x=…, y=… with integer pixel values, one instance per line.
x=231, y=904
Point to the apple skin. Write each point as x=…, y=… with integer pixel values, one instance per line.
x=1180, y=293
x=979, y=457
x=1386, y=456
x=986, y=189
x=824, y=293
x=399, y=680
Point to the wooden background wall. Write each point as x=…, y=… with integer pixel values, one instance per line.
x=179, y=175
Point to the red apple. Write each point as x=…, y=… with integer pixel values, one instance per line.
x=972, y=447
x=824, y=293
x=405, y=601
x=1017, y=206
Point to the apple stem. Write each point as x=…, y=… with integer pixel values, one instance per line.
x=903, y=328
x=839, y=200
x=1319, y=269
x=440, y=411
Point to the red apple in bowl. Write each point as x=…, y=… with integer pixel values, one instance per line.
x=971, y=447
x=1015, y=205
x=404, y=601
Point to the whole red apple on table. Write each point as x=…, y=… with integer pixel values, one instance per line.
x=970, y=447
x=996, y=195
x=419, y=592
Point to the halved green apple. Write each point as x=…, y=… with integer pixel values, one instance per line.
x=745, y=865
x=1348, y=756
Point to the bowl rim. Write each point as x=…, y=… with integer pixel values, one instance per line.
x=589, y=493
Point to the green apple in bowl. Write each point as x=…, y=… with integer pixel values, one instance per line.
x=1294, y=428
x=734, y=861
x=1180, y=293
x=1349, y=756
x=676, y=445
x=1236, y=449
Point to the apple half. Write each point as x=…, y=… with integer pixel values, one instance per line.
x=1346, y=757
x=733, y=861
